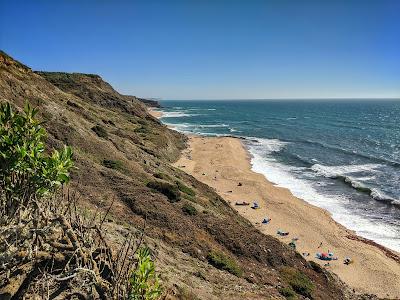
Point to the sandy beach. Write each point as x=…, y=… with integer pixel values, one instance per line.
x=155, y=113
x=224, y=164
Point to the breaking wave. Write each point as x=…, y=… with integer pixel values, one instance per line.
x=341, y=173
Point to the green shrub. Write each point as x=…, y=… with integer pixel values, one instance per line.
x=288, y=293
x=100, y=131
x=185, y=189
x=300, y=283
x=169, y=190
x=189, y=209
x=112, y=164
x=223, y=262
x=26, y=172
x=188, y=197
x=162, y=176
x=145, y=129
x=144, y=283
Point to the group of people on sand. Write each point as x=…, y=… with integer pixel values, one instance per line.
x=324, y=256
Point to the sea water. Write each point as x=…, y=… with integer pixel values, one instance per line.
x=343, y=156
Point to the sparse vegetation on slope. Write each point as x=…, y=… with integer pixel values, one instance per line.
x=46, y=246
x=169, y=190
x=298, y=281
x=222, y=261
x=189, y=209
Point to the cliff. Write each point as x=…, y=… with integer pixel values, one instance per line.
x=123, y=154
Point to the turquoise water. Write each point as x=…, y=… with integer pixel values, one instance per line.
x=343, y=156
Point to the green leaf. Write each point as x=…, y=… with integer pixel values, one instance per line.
x=63, y=178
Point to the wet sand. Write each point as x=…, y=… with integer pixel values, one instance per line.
x=225, y=163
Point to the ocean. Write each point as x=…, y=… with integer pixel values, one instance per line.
x=343, y=156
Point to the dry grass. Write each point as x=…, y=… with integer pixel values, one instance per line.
x=49, y=248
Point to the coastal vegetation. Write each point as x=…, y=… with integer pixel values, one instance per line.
x=222, y=261
x=46, y=243
x=298, y=281
x=112, y=164
x=189, y=209
x=167, y=189
x=185, y=189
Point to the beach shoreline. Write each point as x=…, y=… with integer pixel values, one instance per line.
x=154, y=112
x=224, y=163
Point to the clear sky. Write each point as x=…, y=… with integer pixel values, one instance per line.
x=214, y=49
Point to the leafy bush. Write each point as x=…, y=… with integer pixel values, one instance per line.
x=223, y=262
x=169, y=190
x=298, y=281
x=112, y=164
x=26, y=172
x=100, y=131
x=185, y=189
x=189, y=209
x=288, y=293
x=144, y=283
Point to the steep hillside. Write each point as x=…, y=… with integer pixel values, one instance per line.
x=123, y=153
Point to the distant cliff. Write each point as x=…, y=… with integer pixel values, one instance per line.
x=150, y=102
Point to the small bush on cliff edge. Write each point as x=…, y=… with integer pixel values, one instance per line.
x=300, y=283
x=162, y=176
x=223, y=262
x=144, y=283
x=288, y=293
x=169, y=190
x=189, y=209
x=185, y=189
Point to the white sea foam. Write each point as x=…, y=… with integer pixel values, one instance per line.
x=282, y=175
x=176, y=114
x=334, y=171
x=180, y=127
x=266, y=146
x=195, y=128
x=381, y=196
x=212, y=125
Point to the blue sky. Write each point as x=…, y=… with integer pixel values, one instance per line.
x=214, y=49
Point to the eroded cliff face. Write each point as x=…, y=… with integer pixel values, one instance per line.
x=123, y=153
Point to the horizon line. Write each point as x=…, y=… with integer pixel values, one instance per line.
x=277, y=99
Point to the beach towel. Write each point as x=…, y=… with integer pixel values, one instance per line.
x=325, y=256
